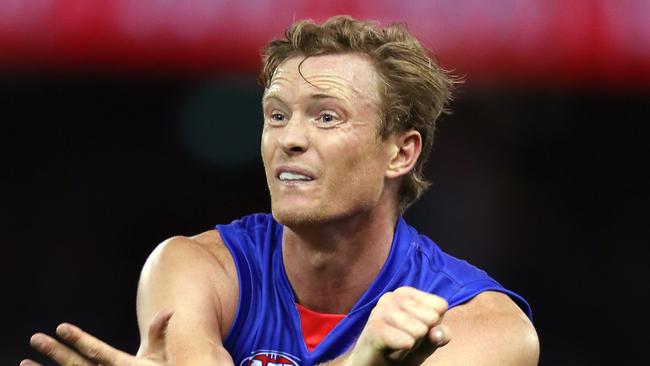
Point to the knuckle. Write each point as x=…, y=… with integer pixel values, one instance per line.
x=440, y=304
x=73, y=338
x=372, y=327
x=444, y=306
x=69, y=332
x=385, y=298
x=404, y=342
x=374, y=311
x=74, y=362
x=71, y=359
x=94, y=353
x=435, y=318
x=409, y=305
x=98, y=355
x=49, y=350
x=377, y=315
x=421, y=330
x=432, y=317
x=404, y=290
x=384, y=302
x=397, y=320
x=410, y=343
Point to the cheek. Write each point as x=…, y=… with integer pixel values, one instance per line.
x=361, y=164
x=265, y=146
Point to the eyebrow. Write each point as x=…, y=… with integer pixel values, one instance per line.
x=267, y=97
x=317, y=96
x=325, y=96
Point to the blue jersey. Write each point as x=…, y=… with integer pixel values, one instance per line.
x=267, y=329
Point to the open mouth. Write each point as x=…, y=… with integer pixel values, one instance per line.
x=293, y=177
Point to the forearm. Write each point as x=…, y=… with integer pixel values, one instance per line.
x=222, y=359
x=339, y=361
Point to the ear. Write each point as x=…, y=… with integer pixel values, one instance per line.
x=405, y=151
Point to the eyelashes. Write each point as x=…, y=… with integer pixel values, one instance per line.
x=323, y=118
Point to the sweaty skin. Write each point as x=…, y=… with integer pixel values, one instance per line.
x=333, y=183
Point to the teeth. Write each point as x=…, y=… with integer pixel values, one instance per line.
x=293, y=176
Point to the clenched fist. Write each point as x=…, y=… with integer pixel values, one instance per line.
x=404, y=328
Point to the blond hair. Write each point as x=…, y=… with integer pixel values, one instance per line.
x=414, y=90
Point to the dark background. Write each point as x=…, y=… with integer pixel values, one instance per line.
x=546, y=190
x=543, y=185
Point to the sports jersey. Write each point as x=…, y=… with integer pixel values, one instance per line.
x=266, y=330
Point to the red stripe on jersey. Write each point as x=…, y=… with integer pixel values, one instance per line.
x=315, y=325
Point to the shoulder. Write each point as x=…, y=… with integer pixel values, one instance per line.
x=188, y=274
x=205, y=251
x=490, y=329
x=203, y=256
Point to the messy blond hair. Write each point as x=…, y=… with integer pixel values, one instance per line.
x=414, y=90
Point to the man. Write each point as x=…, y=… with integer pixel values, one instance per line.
x=335, y=275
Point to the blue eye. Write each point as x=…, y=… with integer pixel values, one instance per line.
x=327, y=118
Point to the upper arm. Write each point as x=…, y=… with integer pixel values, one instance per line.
x=488, y=330
x=197, y=279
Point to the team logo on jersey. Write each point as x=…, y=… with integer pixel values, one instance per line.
x=270, y=358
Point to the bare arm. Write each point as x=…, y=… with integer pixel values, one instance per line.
x=489, y=330
x=197, y=278
x=411, y=327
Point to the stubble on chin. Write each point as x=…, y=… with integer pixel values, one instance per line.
x=294, y=217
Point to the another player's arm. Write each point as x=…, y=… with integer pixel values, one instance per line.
x=196, y=277
x=411, y=327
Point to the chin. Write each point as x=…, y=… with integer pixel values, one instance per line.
x=293, y=216
x=296, y=216
x=296, y=210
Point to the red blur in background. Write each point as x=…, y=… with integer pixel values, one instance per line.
x=578, y=43
x=126, y=122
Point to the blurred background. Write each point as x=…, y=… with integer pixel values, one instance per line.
x=126, y=122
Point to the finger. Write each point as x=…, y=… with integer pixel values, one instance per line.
x=440, y=335
x=425, y=298
x=436, y=302
x=425, y=314
x=158, y=332
x=405, y=322
x=58, y=352
x=400, y=344
x=29, y=362
x=436, y=338
x=89, y=346
x=394, y=340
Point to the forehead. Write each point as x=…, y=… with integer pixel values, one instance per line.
x=349, y=75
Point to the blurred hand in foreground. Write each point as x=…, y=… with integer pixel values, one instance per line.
x=82, y=349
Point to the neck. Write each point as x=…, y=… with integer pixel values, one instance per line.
x=330, y=265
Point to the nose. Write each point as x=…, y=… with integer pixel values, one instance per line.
x=294, y=137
